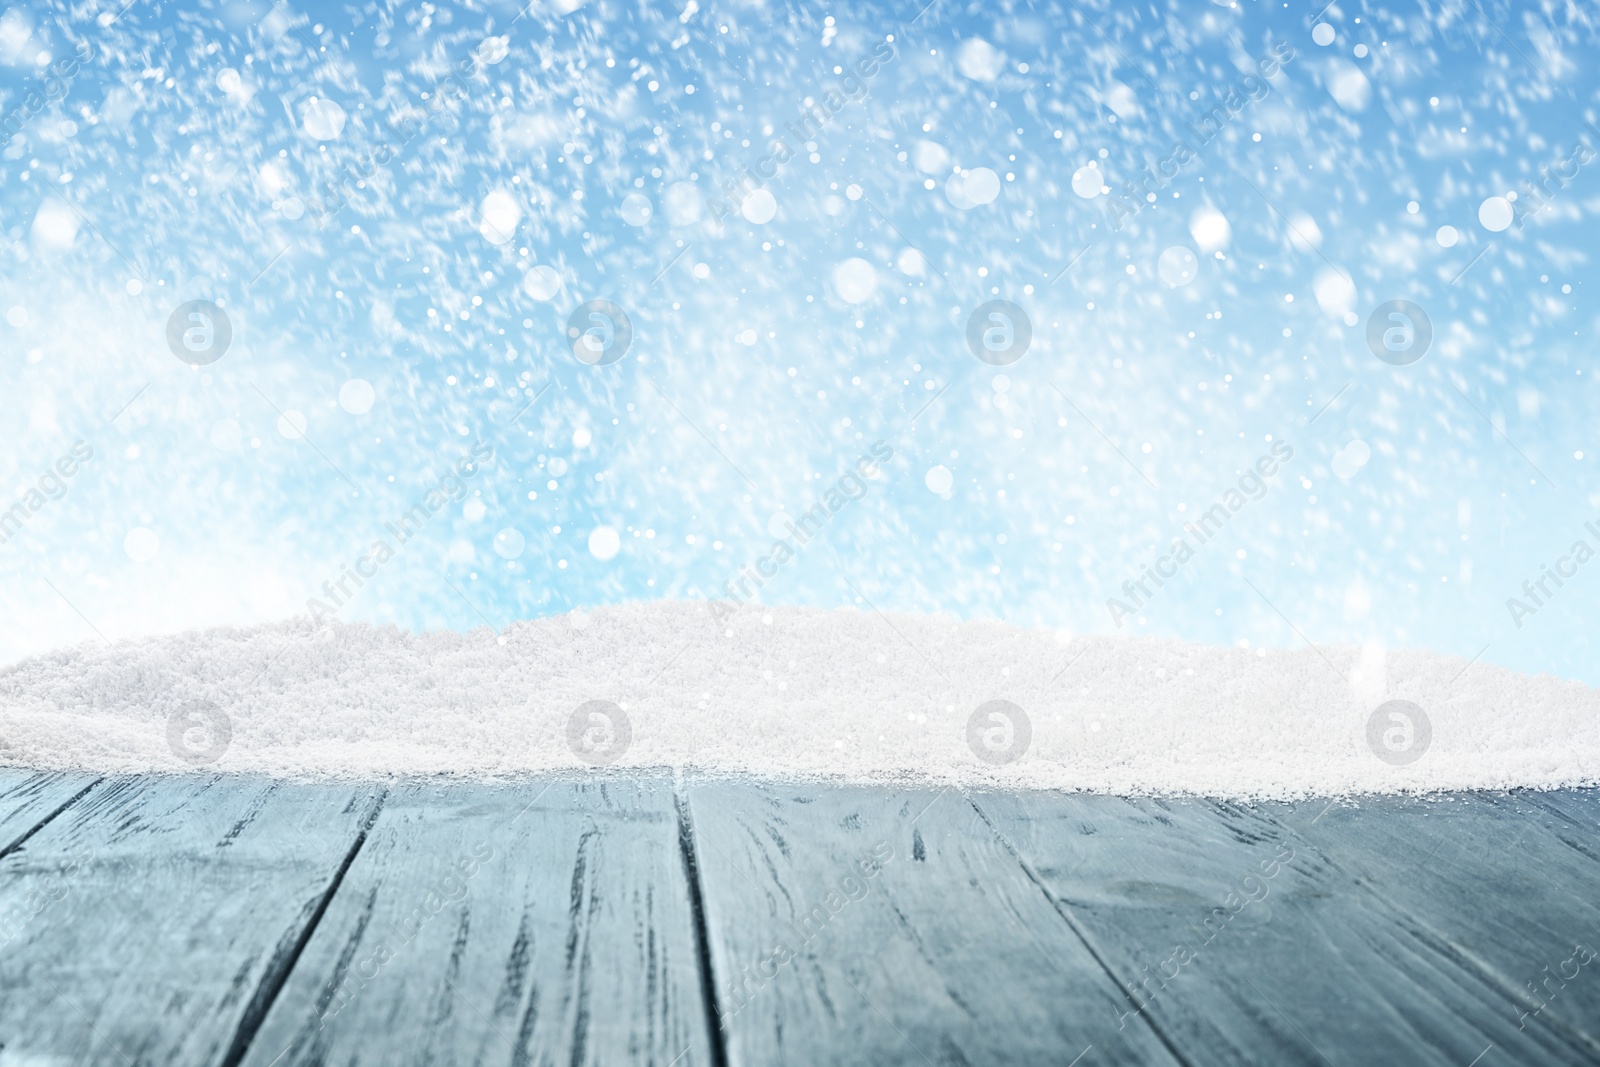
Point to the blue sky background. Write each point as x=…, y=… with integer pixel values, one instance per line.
x=375, y=345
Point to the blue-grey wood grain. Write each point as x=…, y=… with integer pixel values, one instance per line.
x=538, y=923
x=160, y=912
x=214, y=920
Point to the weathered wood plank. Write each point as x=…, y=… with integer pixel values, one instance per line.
x=1246, y=944
x=536, y=923
x=159, y=912
x=878, y=926
x=29, y=799
x=1504, y=883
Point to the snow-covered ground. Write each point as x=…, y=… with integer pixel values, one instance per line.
x=799, y=692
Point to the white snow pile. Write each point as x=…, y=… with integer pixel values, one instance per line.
x=797, y=693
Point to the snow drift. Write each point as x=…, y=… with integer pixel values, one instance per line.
x=802, y=693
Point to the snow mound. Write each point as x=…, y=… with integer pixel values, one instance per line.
x=798, y=693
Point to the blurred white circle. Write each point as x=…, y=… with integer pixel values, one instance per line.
x=1210, y=229
x=980, y=60
x=1178, y=266
x=541, y=283
x=509, y=543
x=939, y=479
x=356, y=396
x=855, y=280
x=1322, y=33
x=1335, y=291
x=141, y=544
x=499, y=216
x=17, y=316
x=581, y=437
x=474, y=510
x=1495, y=213
x=322, y=119
x=759, y=207
x=1447, y=236
x=981, y=185
x=604, y=543
x=972, y=188
x=494, y=49
x=637, y=209
x=1086, y=181
x=228, y=80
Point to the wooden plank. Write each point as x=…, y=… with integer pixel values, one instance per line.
x=159, y=912
x=1504, y=883
x=878, y=926
x=29, y=799
x=1248, y=945
x=482, y=924
x=1576, y=811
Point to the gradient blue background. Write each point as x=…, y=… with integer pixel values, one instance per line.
x=751, y=385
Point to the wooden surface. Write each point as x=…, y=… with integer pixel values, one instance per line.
x=502, y=925
x=643, y=919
